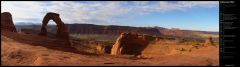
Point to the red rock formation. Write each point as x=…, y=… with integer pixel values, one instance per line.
x=111, y=29
x=129, y=43
x=208, y=42
x=7, y=22
x=100, y=49
x=61, y=28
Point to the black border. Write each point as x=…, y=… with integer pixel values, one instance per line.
x=229, y=62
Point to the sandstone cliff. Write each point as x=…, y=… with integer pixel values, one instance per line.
x=112, y=29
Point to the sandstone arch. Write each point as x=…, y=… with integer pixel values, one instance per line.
x=7, y=22
x=61, y=28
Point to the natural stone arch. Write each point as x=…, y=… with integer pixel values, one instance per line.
x=62, y=31
x=7, y=22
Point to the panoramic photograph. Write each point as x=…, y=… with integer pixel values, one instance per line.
x=109, y=33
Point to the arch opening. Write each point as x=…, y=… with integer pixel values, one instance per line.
x=61, y=28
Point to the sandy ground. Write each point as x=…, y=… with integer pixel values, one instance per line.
x=32, y=50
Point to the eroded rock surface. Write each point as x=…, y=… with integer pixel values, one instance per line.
x=7, y=22
x=130, y=43
x=62, y=31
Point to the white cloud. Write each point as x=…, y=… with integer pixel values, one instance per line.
x=164, y=6
x=207, y=4
x=22, y=10
x=93, y=11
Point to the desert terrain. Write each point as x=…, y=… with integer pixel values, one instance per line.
x=99, y=45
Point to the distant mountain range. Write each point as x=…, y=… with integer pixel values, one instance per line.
x=109, y=29
x=26, y=23
x=116, y=30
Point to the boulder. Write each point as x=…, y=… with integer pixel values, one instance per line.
x=131, y=43
x=100, y=49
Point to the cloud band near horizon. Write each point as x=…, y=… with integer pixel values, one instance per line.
x=97, y=12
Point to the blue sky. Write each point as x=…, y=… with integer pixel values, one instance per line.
x=190, y=15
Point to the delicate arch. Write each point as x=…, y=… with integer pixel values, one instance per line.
x=61, y=28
